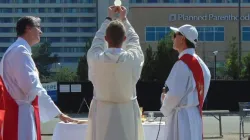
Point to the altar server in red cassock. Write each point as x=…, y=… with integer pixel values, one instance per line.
x=23, y=99
x=188, y=84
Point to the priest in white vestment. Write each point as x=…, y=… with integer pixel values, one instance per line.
x=114, y=71
x=181, y=102
x=21, y=79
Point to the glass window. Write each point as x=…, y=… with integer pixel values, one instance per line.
x=55, y=19
x=202, y=1
x=71, y=59
x=70, y=29
x=54, y=10
x=234, y=1
x=74, y=49
x=22, y=10
x=6, y=20
x=42, y=1
x=42, y=10
x=216, y=1
x=205, y=33
x=3, y=49
x=70, y=10
x=88, y=29
x=185, y=1
x=201, y=36
x=54, y=39
x=156, y=33
x=246, y=1
x=6, y=29
x=71, y=39
x=152, y=1
x=34, y=10
x=54, y=1
x=245, y=33
x=211, y=33
x=148, y=29
x=70, y=19
x=43, y=19
x=70, y=1
x=6, y=39
x=87, y=19
x=5, y=10
x=43, y=29
x=219, y=36
x=7, y=1
x=209, y=36
x=150, y=36
x=84, y=39
x=79, y=49
x=136, y=1
x=42, y=39
x=53, y=29
x=25, y=1
x=34, y=1
x=56, y=49
x=87, y=10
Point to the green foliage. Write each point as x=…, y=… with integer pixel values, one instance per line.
x=165, y=58
x=148, y=69
x=232, y=63
x=82, y=69
x=42, y=58
x=64, y=75
x=159, y=64
x=246, y=68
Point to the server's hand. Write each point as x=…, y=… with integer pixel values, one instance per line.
x=163, y=94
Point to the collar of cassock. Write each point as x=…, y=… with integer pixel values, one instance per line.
x=187, y=51
x=113, y=53
x=23, y=42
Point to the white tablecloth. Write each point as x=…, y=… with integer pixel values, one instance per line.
x=68, y=131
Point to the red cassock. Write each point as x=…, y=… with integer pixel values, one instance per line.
x=196, y=69
x=9, y=115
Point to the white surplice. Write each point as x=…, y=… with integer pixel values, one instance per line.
x=114, y=112
x=22, y=81
x=181, y=102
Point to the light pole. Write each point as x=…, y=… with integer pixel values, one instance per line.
x=239, y=26
x=56, y=69
x=215, y=53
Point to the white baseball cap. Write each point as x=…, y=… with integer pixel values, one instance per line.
x=188, y=31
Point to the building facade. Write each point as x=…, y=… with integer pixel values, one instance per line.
x=216, y=21
x=67, y=24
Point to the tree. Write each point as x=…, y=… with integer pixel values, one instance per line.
x=232, y=63
x=246, y=69
x=82, y=69
x=64, y=75
x=165, y=58
x=148, y=68
x=158, y=65
x=42, y=57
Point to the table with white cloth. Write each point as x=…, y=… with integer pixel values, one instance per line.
x=70, y=131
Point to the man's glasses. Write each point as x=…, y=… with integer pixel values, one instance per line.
x=177, y=33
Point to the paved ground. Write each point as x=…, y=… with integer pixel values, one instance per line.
x=230, y=128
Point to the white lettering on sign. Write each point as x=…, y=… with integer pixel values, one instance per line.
x=50, y=86
x=207, y=17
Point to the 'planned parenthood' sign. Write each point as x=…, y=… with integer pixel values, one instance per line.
x=207, y=17
x=51, y=89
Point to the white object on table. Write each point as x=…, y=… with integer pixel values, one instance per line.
x=69, y=131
